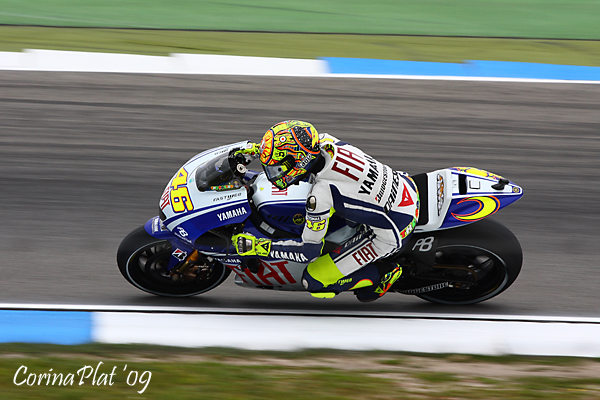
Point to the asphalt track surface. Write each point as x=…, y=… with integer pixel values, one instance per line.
x=84, y=159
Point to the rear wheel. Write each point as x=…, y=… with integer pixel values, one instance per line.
x=143, y=261
x=484, y=258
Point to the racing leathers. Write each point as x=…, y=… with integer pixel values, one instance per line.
x=354, y=186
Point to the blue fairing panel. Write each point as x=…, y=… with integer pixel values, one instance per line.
x=155, y=228
x=287, y=216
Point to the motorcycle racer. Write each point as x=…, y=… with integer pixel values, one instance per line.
x=381, y=202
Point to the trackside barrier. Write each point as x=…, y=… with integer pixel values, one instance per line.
x=289, y=331
x=207, y=64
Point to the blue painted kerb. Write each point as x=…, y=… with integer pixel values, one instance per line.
x=56, y=327
x=483, y=69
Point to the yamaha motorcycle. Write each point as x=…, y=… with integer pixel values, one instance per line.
x=454, y=256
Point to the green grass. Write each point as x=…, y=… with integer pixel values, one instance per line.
x=178, y=373
x=310, y=46
x=456, y=30
x=575, y=19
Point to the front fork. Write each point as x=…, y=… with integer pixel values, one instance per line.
x=185, y=263
x=180, y=251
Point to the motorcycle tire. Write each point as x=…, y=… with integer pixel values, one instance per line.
x=487, y=248
x=142, y=260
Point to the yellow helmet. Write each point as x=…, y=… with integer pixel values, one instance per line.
x=288, y=152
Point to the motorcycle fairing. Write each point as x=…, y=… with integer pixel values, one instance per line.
x=283, y=209
x=208, y=208
x=180, y=248
x=277, y=275
x=462, y=195
x=155, y=227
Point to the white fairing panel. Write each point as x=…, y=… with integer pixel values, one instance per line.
x=439, y=186
x=462, y=195
x=265, y=193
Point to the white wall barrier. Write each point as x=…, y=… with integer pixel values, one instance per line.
x=289, y=331
x=73, y=61
x=209, y=64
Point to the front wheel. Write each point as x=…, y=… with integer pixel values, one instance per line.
x=143, y=261
x=486, y=253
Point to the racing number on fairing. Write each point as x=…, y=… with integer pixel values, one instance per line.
x=180, y=196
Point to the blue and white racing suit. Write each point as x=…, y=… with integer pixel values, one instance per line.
x=361, y=190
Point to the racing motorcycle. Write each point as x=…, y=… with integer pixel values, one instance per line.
x=454, y=256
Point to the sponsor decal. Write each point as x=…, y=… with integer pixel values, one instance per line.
x=157, y=225
x=316, y=226
x=298, y=219
x=289, y=255
x=365, y=254
x=425, y=289
x=276, y=192
x=372, y=174
x=440, y=194
x=227, y=197
x=313, y=218
x=354, y=239
x=181, y=232
x=424, y=244
x=179, y=254
x=487, y=205
x=311, y=203
x=216, y=153
x=408, y=230
x=275, y=270
x=393, y=193
x=234, y=261
x=383, y=186
x=406, y=199
x=224, y=216
x=165, y=199
x=350, y=160
x=305, y=161
x=344, y=281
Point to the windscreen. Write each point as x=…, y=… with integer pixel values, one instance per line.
x=216, y=174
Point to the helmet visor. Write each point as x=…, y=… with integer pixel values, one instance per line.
x=279, y=170
x=275, y=172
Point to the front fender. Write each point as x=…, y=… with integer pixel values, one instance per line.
x=155, y=228
x=179, y=249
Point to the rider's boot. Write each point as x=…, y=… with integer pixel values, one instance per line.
x=374, y=292
x=323, y=280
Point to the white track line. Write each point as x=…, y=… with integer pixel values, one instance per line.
x=308, y=313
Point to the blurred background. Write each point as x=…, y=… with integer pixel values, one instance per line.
x=84, y=157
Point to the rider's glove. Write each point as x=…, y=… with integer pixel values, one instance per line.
x=249, y=245
x=252, y=149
